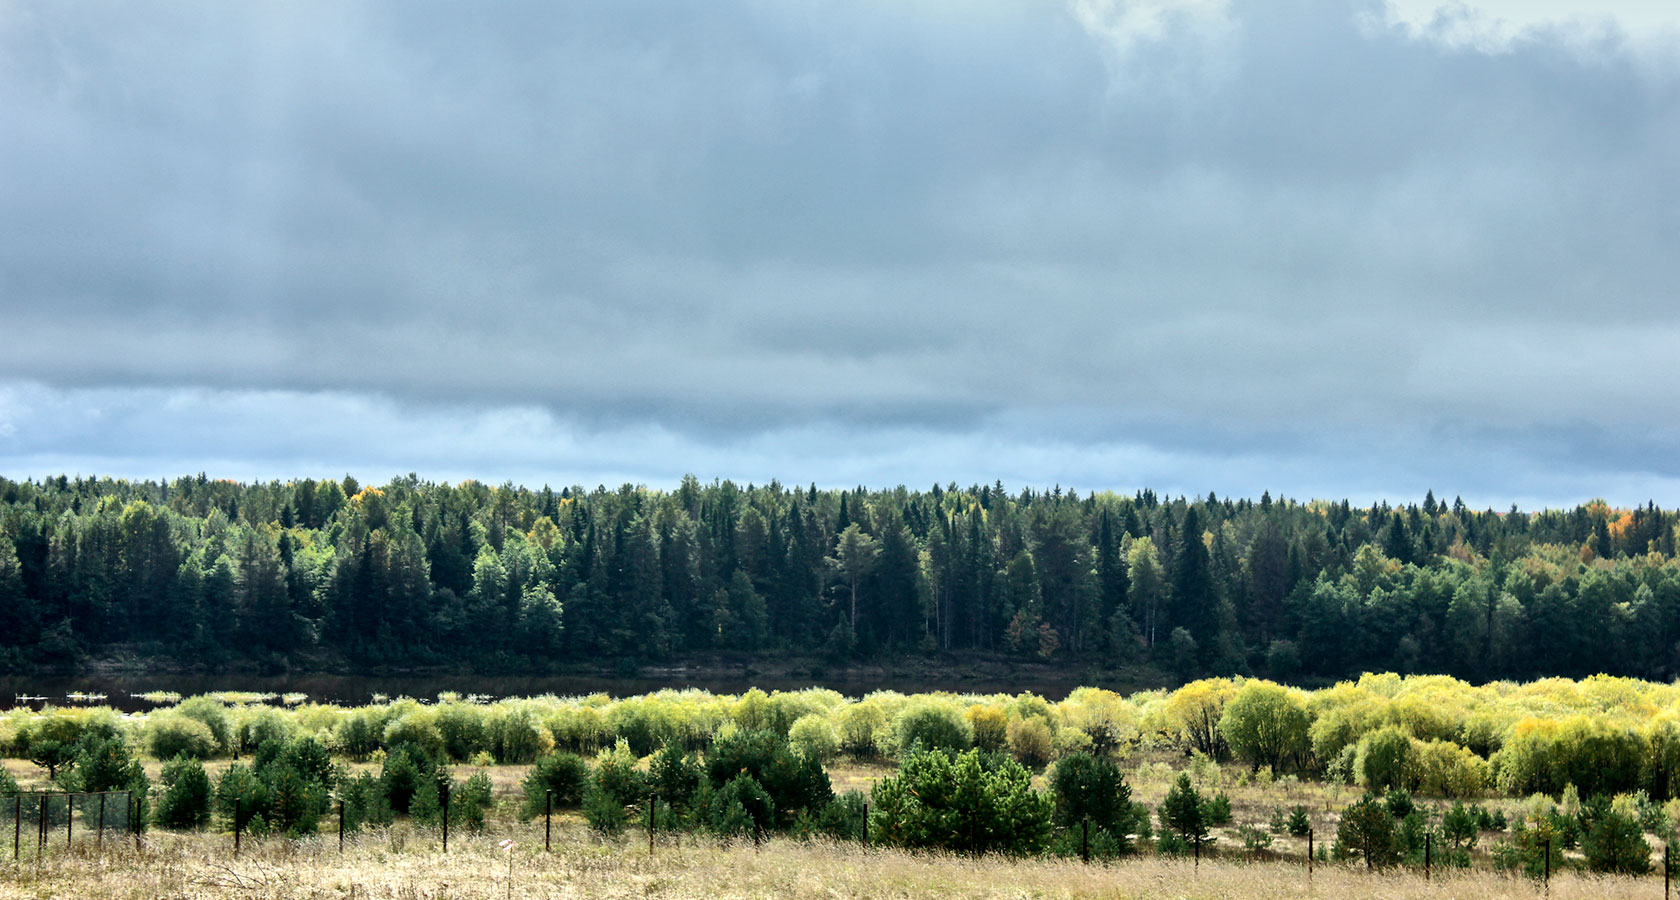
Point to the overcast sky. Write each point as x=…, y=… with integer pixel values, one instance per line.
x=1325, y=248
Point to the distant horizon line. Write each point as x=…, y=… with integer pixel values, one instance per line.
x=788, y=487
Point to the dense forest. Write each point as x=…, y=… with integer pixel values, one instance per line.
x=317, y=574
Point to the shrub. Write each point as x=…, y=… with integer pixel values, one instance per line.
x=931, y=724
x=295, y=802
x=285, y=788
x=1343, y=768
x=1385, y=760
x=940, y=801
x=1299, y=824
x=1399, y=803
x=404, y=770
x=1091, y=788
x=1447, y=770
x=1192, y=714
x=169, y=736
x=426, y=807
x=240, y=797
x=461, y=728
x=1528, y=848
x=742, y=795
x=843, y=817
x=676, y=776
x=1460, y=825
x=468, y=802
x=1266, y=724
x=1217, y=809
x=1102, y=719
x=1030, y=741
x=582, y=729
x=364, y=802
x=105, y=764
x=515, y=735
x=616, y=776
x=257, y=725
x=213, y=713
x=1615, y=843
x=1254, y=839
x=564, y=774
x=647, y=723
x=795, y=781
x=1184, y=813
x=185, y=801
x=311, y=760
x=603, y=812
x=990, y=727
x=815, y=735
x=417, y=728
x=1367, y=830
x=1070, y=842
x=1592, y=754
x=358, y=733
x=858, y=724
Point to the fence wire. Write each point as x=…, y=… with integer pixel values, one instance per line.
x=34, y=824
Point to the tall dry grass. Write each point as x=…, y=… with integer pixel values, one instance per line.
x=409, y=865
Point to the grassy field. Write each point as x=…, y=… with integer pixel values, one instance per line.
x=403, y=864
x=406, y=862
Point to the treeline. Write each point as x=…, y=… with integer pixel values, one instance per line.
x=311, y=573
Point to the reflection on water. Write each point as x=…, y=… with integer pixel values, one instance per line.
x=137, y=693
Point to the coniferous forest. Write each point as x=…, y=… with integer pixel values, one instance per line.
x=324, y=574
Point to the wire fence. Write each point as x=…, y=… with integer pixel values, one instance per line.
x=36, y=823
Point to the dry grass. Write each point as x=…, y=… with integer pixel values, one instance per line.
x=407, y=865
x=846, y=774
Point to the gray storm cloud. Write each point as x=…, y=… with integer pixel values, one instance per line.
x=1194, y=240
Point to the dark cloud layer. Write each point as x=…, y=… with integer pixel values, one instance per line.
x=1233, y=246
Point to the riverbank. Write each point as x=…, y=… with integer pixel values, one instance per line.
x=122, y=681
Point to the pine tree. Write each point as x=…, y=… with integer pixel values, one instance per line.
x=1181, y=811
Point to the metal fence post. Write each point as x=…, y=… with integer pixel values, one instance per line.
x=17, y=827
x=69, y=820
x=99, y=844
x=866, y=824
x=445, y=818
x=1309, y=852
x=1427, y=841
x=548, y=822
x=653, y=814
x=41, y=830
